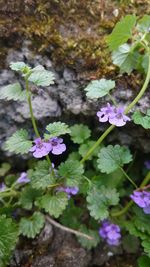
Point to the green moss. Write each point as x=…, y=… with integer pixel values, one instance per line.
x=72, y=32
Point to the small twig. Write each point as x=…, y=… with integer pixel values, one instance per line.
x=64, y=228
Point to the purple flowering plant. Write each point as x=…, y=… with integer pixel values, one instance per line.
x=91, y=192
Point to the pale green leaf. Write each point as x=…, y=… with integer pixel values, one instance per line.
x=79, y=133
x=56, y=129
x=18, y=66
x=143, y=24
x=30, y=227
x=18, y=142
x=142, y=120
x=125, y=58
x=53, y=204
x=41, y=177
x=41, y=77
x=99, y=88
x=122, y=32
x=28, y=196
x=8, y=238
x=4, y=168
x=13, y=92
x=111, y=158
x=99, y=200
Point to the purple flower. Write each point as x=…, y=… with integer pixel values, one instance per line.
x=142, y=199
x=2, y=187
x=23, y=179
x=105, y=113
x=118, y=118
x=110, y=232
x=114, y=115
x=41, y=148
x=147, y=164
x=69, y=190
x=57, y=146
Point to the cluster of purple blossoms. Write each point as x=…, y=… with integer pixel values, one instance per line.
x=142, y=199
x=110, y=232
x=69, y=190
x=42, y=148
x=113, y=114
x=23, y=178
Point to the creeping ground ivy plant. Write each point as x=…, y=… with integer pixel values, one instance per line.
x=94, y=193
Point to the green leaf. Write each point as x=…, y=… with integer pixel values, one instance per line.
x=86, y=243
x=146, y=246
x=53, y=204
x=41, y=77
x=139, y=119
x=99, y=199
x=42, y=177
x=72, y=215
x=113, y=157
x=99, y=88
x=72, y=170
x=30, y=227
x=18, y=142
x=143, y=24
x=79, y=133
x=13, y=92
x=125, y=58
x=144, y=261
x=56, y=129
x=8, y=238
x=28, y=196
x=4, y=168
x=122, y=32
x=19, y=66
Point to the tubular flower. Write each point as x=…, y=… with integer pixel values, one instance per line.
x=142, y=199
x=110, y=232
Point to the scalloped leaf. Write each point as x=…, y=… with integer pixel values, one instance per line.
x=143, y=24
x=56, y=129
x=99, y=200
x=88, y=244
x=41, y=77
x=99, y=88
x=30, y=227
x=18, y=142
x=142, y=120
x=8, y=238
x=125, y=58
x=13, y=92
x=79, y=133
x=28, y=196
x=53, y=204
x=111, y=158
x=121, y=32
x=42, y=177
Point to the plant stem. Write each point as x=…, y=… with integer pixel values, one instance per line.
x=64, y=228
x=9, y=193
x=130, y=203
x=34, y=121
x=112, y=99
x=98, y=142
x=31, y=110
x=129, y=107
x=127, y=176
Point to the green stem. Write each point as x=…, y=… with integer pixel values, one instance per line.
x=9, y=194
x=34, y=121
x=98, y=142
x=127, y=176
x=31, y=110
x=130, y=203
x=129, y=107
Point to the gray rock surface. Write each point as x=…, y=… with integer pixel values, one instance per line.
x=65, y=101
